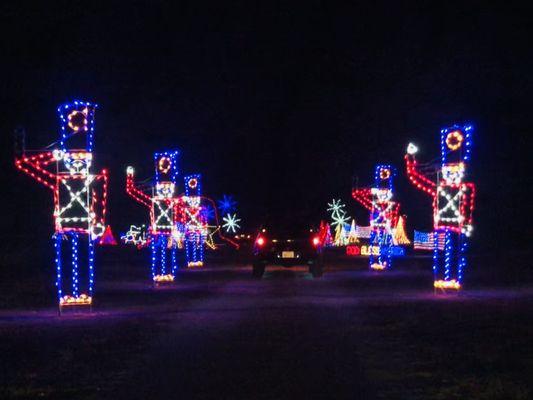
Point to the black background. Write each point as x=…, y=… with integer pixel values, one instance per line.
x=281, y=106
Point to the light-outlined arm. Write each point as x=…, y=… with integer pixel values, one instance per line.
x=417, y=178
x=363, y=197
x=467, y=206
x=135, y=192
x=36, y=167
x=99, y=206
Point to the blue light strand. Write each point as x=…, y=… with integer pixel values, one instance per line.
x=447, y=256
x=462, y=257
x=373, y=235
x=197, y=191
x=65, y=109
x=58, y=238
x=174, y=171
x=163, y=252
x=466, y=150
x=153, y=246
x=75, y=284
x=91, y=265
x=435, y=254
x=174, y=260
x=187, y=247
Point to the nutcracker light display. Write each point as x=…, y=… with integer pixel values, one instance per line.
x=383, y=214
x=193, y=221
x=164, y=204
x=80, y=197
x=453, y=203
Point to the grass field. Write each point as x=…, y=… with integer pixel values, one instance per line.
x=217, y=333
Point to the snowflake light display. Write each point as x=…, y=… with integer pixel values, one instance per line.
x=231, y=223
x=453, y=203
x=163, y=203
x=338, y=213
x=80, y=198
x=193, y=221
x=227, y=204
x=383, y=214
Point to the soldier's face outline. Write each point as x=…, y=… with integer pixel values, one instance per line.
x=453, y=173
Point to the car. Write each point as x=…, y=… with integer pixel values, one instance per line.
x=287, y=247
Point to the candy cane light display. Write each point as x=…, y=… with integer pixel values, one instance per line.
x=453, y=203
x=383, y=214
x=80, y=197
x=163, y=203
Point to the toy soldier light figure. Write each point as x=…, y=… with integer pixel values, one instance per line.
x=453, y=203
x=193, y=221
x=163, y=204
x=383, y=215
x=80, y=198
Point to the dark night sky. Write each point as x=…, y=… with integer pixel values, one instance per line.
x=280, y=106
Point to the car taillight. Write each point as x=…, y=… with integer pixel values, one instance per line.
x=260, y=241
x=316, y=241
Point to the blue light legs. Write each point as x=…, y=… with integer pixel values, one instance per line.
x=449, y=264
x=81, y=287
x=160, y=252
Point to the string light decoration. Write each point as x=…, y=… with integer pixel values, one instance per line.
x=324, y=234
x=193, y=221
x=338, y=213
x=426, y=240
x=453, y=203
x=400, y=236
x=383, y=214
x=80, y=198
x=136, y=235
x=164, y=205
x=352, y=234
x=231, y=223
x=227, y=204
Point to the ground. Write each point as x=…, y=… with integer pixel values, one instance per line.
x=217, y=333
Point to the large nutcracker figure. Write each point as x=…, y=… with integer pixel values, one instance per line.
x=79, y=200
x=164, y=204
x=383, y=215
x=193, y=221
x=453, y=203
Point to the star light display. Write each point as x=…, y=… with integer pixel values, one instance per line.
x=164, y=205
x=227, y=204
x=230, y=224
x=80, y=198
x=453, y=203
x=383, y=214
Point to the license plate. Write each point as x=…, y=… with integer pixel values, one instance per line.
x=287, y=254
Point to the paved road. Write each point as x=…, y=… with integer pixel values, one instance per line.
x=219, y=334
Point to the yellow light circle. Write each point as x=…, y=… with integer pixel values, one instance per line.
x=384, y=173
x=454, y=140
x=164, y=164
x=77, y=120
x=192, y=183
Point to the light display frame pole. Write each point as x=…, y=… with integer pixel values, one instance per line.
x=453, y=203
x=80, y=198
